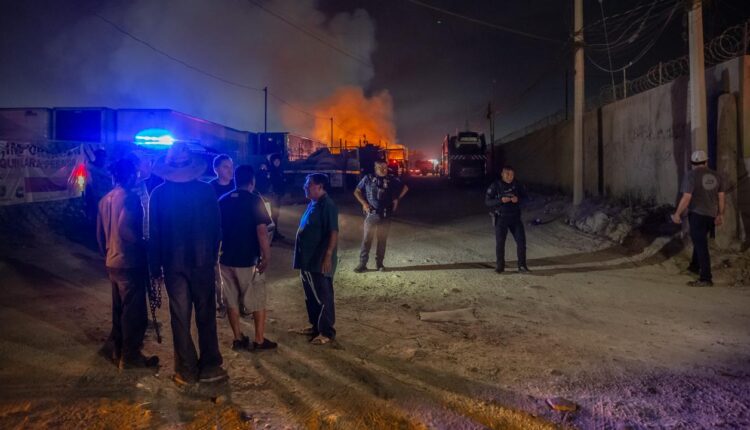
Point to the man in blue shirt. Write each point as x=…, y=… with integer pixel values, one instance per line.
x=315, y=257
x=379, y=195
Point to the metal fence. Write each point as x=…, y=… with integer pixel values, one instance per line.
x=732, y=43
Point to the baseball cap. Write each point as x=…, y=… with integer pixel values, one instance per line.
x=698, y=156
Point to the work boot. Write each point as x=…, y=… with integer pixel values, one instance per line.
x=139, y=362
x=523, y=269
x=241, y=345
x=361, y=268
x=213, y=374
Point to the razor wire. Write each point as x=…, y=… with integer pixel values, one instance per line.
x=731, y=43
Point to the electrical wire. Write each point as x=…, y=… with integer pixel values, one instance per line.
x=172, y=57
x=485, y=23
x=606, y=38
x=311, y=34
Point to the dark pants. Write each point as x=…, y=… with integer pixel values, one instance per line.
x=319, y=301
x=515, y=226
x=275, y=200
x=700, y=227
x=188, y=289
x=375, y=226
x=129, y=315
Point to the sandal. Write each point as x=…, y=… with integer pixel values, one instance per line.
x=321, y=340
x=306, y=331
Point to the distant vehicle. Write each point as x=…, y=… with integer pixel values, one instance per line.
x=422, y=167
x=464, y=157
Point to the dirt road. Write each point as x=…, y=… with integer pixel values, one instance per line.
x=613, y=329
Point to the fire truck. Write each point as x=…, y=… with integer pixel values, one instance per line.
x=464, y=157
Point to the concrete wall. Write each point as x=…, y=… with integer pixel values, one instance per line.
x=637, y=147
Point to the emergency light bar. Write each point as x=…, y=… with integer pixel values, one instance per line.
x=154, y=137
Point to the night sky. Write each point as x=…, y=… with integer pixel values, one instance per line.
x=434, y=72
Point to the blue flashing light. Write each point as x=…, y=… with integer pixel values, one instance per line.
x=155, y=138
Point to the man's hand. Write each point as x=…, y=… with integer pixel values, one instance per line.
x=326, y=266
x=505, y=199
x=719, y=219
x=263, y=264
x=395, y=204
x=676, y=219
x=366, y=208
x=514, y=199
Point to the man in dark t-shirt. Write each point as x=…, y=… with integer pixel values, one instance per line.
x=315, y=257
x=503, y=198
x=224, y=169
x=222, y=184
x=703, y=197
x=244, y=259
x=379, y=195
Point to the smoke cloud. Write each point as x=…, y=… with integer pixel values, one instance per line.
x=61, y=55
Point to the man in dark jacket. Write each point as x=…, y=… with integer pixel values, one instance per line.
x=503, y=198
x=119, y=232
x=185, y=231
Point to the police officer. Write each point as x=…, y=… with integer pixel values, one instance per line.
x=379, y=195
x=503, y=198
x=704, y=199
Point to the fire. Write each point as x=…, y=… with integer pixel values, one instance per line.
x=357, y=119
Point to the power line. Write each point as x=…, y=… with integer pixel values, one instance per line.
x=311, y=34
x=485, y=23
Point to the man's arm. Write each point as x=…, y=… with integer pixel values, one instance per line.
x=101, y=238
x=327, y=264
x=265, y=248
x=490, y=199
x=681, y=207
x=128, y=220
x=722, y=204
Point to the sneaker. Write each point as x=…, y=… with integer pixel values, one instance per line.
x=242, y=344
x=267, y=344
x=381, y=268
x=360, y=269
x=214, y=374
x=700, y=283
x=523, y=269
x=140, y=362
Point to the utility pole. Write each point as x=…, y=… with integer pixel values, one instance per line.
x=698, y=129
x=491, y=117
x=331, y=133
x=265, y=109
x=578, y=104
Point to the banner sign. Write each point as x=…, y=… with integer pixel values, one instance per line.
x=32, y=172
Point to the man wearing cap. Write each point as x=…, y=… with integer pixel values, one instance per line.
x=503, y=198
x=184, y=224
x=703, y=197
x=379, y=194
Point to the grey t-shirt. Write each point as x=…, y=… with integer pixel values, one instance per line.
x=705, y=185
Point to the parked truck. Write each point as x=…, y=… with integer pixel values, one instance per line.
x=464, y=157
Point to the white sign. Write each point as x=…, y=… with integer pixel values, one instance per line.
x=32, y=173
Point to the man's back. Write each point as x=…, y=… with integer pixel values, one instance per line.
x=120, y=229
x=241, y=213
x=184, y=226
x=704, y=185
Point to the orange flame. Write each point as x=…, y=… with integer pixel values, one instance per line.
x=356, y=120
